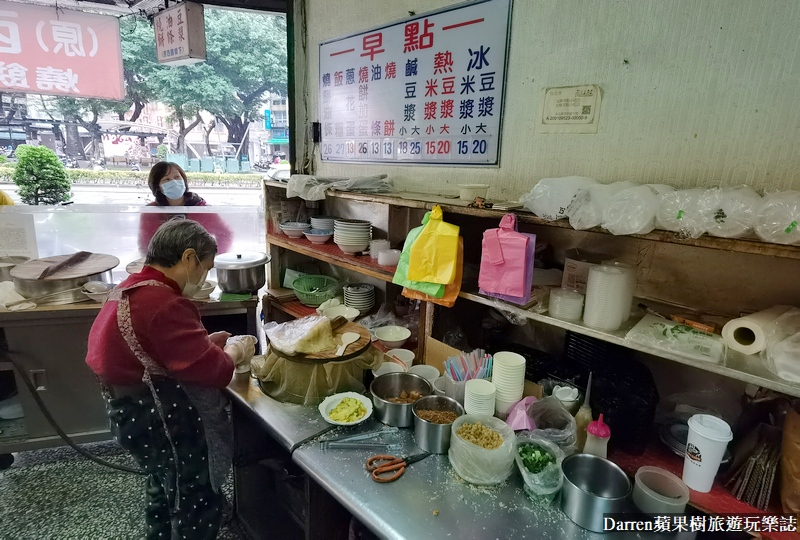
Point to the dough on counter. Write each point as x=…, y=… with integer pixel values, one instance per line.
x=318, y=339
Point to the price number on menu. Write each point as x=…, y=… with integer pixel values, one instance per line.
x=437, y=149
x=409, y=149
x=472, y=146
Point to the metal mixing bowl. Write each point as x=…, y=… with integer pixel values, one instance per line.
x=593, y=486
x=391, y=385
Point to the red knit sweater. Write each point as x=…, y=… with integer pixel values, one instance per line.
x=169, y=329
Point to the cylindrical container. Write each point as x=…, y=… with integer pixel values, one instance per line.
x=705, y=445
x=434, y=438
x=593, y=486
x=479, y=397
x=659, y=492
x=454, y=389
x=439, y=386
x=468, y=192
x=376, y=246
x=389, y=257
x=7, y=263
x=630, y=289
x=606, y=293
x=391, y=386
x=243, y=272
x=566, y=304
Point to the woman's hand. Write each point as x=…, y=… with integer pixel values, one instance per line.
x=219, y=338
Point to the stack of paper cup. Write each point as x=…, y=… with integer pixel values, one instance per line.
x=508, y=377
x=630, y=271
x=705, y=445
x=479, y=396
x=606, y=297
x=566, y=304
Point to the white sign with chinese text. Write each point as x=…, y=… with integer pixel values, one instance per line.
x=18, y=235
x=425, y=90
x=570, y=109
x=180, y=35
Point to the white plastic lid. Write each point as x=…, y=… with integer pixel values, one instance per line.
x=240, y=260
x=711, y=427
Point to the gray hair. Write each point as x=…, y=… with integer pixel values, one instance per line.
x=176, y=236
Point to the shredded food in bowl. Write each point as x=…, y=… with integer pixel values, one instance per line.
x=481, y=435
x=437, y=417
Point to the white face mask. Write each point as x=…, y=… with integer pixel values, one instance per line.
x=190, y=289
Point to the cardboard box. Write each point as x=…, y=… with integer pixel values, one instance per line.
x=576, y=268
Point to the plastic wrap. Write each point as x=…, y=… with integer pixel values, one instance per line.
x=782, y=353
x=244, y=347
x=778, y=219
x=478, y=465
x=312, y=188
x=633, y=210
x=678, y=338
x=550, y=198
x=679, y=211
x=542, y=487
x=730, y=211
x=586, y=209
x=554, y=423
x=284, y=337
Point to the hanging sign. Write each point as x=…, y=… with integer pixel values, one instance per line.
x=425, y=90
x=44, y=50
x=180, y=35
x=570, y=109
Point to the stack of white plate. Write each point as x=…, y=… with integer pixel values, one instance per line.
x=322, y=222
x=608, y=297
x=352, y=235
x=360, y=296
x=479, y=397
x=508, y=377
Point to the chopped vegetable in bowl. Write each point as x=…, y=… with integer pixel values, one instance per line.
x=535, y=458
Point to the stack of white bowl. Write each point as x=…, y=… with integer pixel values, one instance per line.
x=479, y=397
x=608, y=297
x=352, y=235
x=508, y=377
x=360, y=296
x=566, y=304
x=322, y=222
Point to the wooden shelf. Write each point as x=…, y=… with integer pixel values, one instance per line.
x=295, y=308
x=746, y=368
x=332, y=254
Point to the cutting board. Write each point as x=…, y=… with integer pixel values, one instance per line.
x=354, y=349
x=94, y=263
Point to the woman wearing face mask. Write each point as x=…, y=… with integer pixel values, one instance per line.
x=170, y=187
x=158, y=365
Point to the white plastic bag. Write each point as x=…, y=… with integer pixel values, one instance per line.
x=586, y=209
x=550, y=197
x=782, y=353
x=730, y=210
x=554, y=423
x=633, y=210
x=312, y=188
x=543, y=486
x=778, y=219
x=285, y=336
x=478, y=465
x=679, y=211
x=678, y=338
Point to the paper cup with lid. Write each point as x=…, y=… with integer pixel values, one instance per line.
x=705, y=445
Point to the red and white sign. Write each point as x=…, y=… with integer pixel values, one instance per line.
x=180, y=35
x=61, y=52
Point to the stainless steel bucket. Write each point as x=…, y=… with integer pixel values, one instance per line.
x=434, y=438
x=593, y=486
x=390, y=386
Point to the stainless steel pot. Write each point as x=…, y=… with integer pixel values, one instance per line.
x=390, y=386
x=434, y=438
x=593, y=486
x=7, y=263
x=31, y=288
x=241, y=272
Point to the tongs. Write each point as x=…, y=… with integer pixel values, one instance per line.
x=356, y=441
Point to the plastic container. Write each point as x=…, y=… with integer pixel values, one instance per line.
x=389, y=257
x=566, y=304
x=597, y=436
x=468, y=192
x=376, y=246
x=607, y=294
x=658, y=492
x=705, y=445
x=313, y=290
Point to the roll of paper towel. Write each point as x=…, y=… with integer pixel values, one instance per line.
x=748, y=334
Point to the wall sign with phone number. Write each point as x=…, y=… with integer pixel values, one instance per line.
x=426, y=90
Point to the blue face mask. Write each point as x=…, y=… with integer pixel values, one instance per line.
x=174, y=189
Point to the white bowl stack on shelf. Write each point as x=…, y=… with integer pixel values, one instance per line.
x=352, y=235
x=566, y=304
x=360, y=296
x=479, y=397
x=323, y=222
x=294, y=229
x=508, y=377
x=608, y=297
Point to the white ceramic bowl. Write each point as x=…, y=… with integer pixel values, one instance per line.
x=392, y=337
x=97, y=297
x=206, y=290
x=388, y=367
x=353, y=249
x=347, y=312
x=318, y=236
x=97, y=287
x=331, y=402
x=403, y=354
x=428, y=372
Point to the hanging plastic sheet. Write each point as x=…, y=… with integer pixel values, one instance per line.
x=433, y=255
x=451, y=290
x=528, y=258
x=505, y=261
x=435, y=290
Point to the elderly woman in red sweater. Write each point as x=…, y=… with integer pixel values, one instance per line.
x=157, y=365
x=170, y=187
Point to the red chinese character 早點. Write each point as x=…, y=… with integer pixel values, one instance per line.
x=372, y=43
x=443, y=62
x=363, y=74
x=426, y=37
x=414, y=40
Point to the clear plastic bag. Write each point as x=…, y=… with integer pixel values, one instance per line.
x=633, y=210
x=782, y=353
x=730, y=210
x=679, y=211
x=285, y=336
x=778, y=219
x=543, y=486
x=678, y=338
x=312, y=188
x=550, y=197
x=554, y=423
x=586, y=209
x=478, y=465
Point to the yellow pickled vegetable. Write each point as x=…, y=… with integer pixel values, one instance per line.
x=348, y=410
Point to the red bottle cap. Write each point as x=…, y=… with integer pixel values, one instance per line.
x=599, y=429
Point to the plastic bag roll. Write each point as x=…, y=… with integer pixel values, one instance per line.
x=550, y=198
x=748, y=334
x=566, y=304
x=679, y=211
x=633, y=210
x=586, y=209
x=778, y=219
x=730, y=212
x=606, y=293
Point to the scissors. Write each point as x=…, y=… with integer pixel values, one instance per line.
x=387, y=464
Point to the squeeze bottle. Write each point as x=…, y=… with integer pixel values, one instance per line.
x=583, y=417
x=597, y=437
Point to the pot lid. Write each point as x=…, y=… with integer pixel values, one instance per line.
x=240, y=260
x=59, y=267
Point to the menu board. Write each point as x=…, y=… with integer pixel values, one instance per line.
x=425, y=90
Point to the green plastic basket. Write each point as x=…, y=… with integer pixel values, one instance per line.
x=314, y=290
